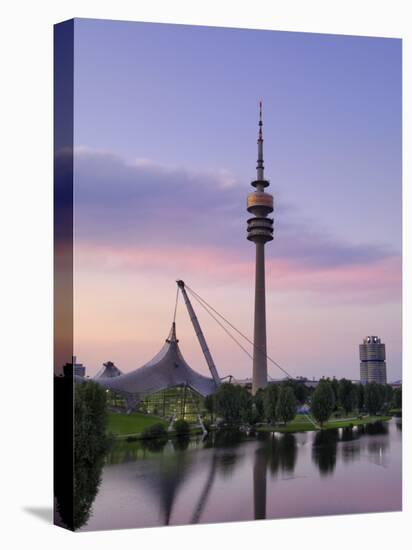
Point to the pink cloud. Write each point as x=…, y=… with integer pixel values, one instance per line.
x=380, y=280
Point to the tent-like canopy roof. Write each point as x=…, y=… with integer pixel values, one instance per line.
x=166, y=370
x=108, y=370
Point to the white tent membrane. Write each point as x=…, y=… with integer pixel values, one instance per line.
x=167, y=369
x=108, y=370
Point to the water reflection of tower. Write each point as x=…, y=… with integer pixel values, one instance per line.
x=259, y=482
x=260, y=231
x=277, y=453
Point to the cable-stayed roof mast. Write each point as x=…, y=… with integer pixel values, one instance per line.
x=199, y=334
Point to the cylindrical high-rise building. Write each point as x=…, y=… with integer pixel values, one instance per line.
x=372, y=356
x=260, y=231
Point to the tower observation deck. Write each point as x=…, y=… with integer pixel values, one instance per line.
x=260, y=231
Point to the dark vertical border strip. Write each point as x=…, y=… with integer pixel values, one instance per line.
x=63, y=272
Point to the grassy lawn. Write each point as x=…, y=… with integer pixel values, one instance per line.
x=299, y=424
x=123, y=425
x=134, y=423
x=357, y=421
x=302, y=424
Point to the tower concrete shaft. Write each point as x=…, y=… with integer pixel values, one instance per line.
x=260, y=369
x=260, y=231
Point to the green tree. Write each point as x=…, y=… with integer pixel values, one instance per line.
x=248, y=413
x=323, y=401
x=361, y=396
x=90, y=446
x=210, y=406
x=270, y=400
x=374, y=397
x=348, y=395
x=388, y=395
x=155, y=431
x=181, y=427
x=335, y=387
x=259, y=405
x=231, y=402
x=299, y=389
x=355, y=397
x=301, y=392
x=286, y=404
x=397, y=398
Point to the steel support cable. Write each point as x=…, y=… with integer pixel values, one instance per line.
x=200, y=300
x=222, y=326
x=195, y=295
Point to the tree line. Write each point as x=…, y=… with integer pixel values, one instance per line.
x=234, y=404
x=371, y=398
x=279, y=402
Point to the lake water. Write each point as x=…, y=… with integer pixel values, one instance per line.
x=234, y=477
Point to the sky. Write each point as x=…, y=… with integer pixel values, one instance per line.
x=165, y=150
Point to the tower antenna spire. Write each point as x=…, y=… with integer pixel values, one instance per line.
x=260, y=167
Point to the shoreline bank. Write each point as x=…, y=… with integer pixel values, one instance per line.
x=300, y=424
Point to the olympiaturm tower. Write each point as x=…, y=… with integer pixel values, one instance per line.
x=260, y=231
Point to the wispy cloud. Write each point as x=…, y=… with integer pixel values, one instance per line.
x=154, y=217
x=378, y=281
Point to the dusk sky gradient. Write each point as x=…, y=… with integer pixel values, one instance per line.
x=165, y=149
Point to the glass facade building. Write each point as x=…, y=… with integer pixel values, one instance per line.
x=178, y=402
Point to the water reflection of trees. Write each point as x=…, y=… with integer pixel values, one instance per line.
x=225, y=438
x=324, y=451
x=155, y=445
x=282, y=453
x=175, y=464
x=377, y=451
x=349, y=434
x=221, y=453
x=181, y=443
x=172, y=465
x=227, y=457
x=123, y=451
x=378, y=447
x=377, y=428
x=351, y=450
x=129, y=451
x=87, y=482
